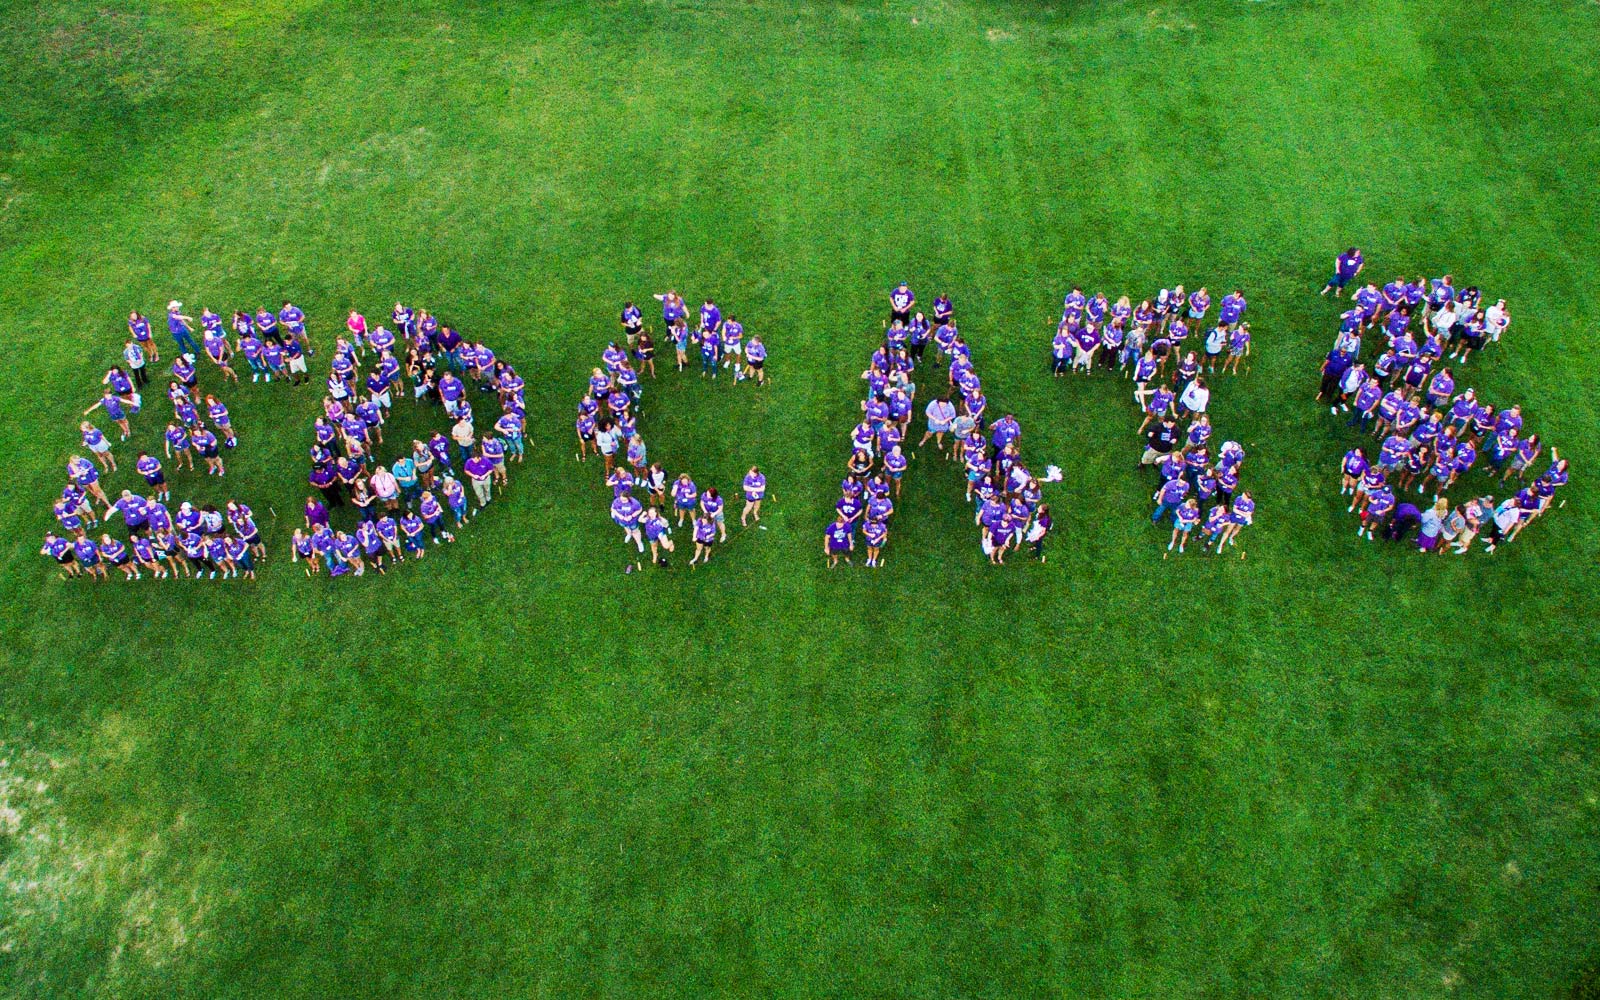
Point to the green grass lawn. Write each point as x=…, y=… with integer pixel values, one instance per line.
x=1332, y=769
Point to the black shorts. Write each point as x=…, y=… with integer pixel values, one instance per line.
x=757, y=365
x=903, y=315
x=66, y=558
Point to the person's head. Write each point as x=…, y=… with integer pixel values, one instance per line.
x=1239, y=292
x=711, y=492
x=1351, y=252
x=1201, y=382
x=85, y=426
x=683, y=477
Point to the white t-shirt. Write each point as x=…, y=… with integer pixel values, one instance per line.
x=1497, y=320
x=1195, y=397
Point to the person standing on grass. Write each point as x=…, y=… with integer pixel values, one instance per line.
x=87, y=554
x=181, y=328
x=1168, y=498
x=876, y=535
x=705, y=538
x=217, y=348
x=1232, y=309
x=1183, y=521
x=626, y=512
x=755, y=355
x=432, y=514
x=901, y=299
x=1039, y=529
x=139, y=330
x=113, y=402
x=134, y=354
x=710, y=350
x=711, y=505
x=755, y=490
x=839, y=540
x=60, y=550
x=480, y=471
x=1345, y=268
x=1195, y=398
x=658, y=533
x=733, y=347
x=99, y=446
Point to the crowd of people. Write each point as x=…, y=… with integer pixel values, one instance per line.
x=1149, y=345
x=419, y=498
x=1006, y=497
x=1431, y=433
x=608, y=428
x=197, y=541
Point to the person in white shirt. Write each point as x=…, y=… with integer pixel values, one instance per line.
x=607, y=439
x=1497, y=318
x=1195, y=396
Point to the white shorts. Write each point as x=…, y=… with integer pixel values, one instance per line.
x=734, y=348
x=298, y=364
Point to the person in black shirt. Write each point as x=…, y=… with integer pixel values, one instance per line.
x=1159, y=440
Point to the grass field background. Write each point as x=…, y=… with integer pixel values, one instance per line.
x=1331, y=769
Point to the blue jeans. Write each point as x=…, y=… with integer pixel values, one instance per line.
x=1162, y=509
x=185, y=342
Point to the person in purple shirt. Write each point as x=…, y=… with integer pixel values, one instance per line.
x=755, y=491
x=685, y=496
x=626, y=511
x=901, y=300
x=1168, y=497
x=710, y=317
x=1369, y=300
x=1380, y=504
x=1232, y=309
x=705, y=538
x=480, y=472
x=1184, y=519
x=1061, y=348
x=88, y=555
x=838, y=540
x=139, y=330
x=182, y=332
x=710, y=352
x=755, y=357
x=1345, y=267
x=60, y=550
